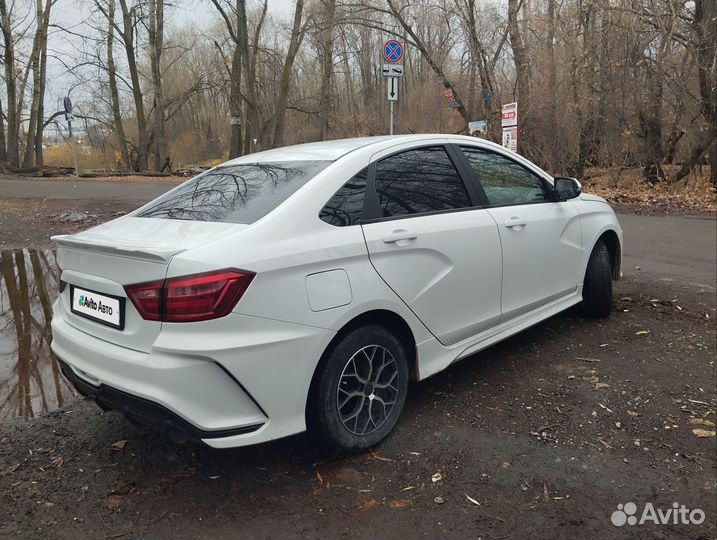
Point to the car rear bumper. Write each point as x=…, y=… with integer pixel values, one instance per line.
x=229, y=382
x=147, y=412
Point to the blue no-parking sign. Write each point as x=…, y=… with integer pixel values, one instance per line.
x=393, y=51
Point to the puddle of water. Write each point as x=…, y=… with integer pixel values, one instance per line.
x=31, y=382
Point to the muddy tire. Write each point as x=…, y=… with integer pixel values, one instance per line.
x=359, y=390
x=597, y=287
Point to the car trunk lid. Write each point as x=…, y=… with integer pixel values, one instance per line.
x=106, y=258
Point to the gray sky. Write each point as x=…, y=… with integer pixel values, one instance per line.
x=72, y=14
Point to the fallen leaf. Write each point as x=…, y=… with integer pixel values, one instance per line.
x=701, y=422
x=119, y=444
x=604, y=407
x=505, y=465
x=606, y=445
x=471, y=499
x=436, y=477
x=642, y=332
x=114, y=502
x=57, y=462
x=633, y=413
x=601, y=385
x=368, y=504
x=374, y=455
x=400, y=503
x=320, y=478
x=409, y=488
x=546, y=494
x=703, y=433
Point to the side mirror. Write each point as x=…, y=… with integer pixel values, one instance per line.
x=567, y=188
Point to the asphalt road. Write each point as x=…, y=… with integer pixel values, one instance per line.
x=679, y=248
x=82, y=189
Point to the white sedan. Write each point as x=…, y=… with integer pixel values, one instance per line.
x=303, y=287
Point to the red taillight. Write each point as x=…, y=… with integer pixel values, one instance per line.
x=147, y=298
x=200, y=297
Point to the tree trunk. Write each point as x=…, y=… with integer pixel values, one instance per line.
x=34, y=61
x=551, y=121
x=39, y=160
x=13, y=126
x=3, y=148
x=327, y=66
x=128, y=40
x=522, y=68
x=235, y=103
x=706, y=30
x=156, y=45
x=696, y=154
x=297, y=35
x=114, y=92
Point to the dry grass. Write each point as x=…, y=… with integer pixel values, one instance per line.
x=627, y=188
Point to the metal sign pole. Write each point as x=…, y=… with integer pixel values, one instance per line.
x=72, y=145
x=392, y=54
x=390, y=116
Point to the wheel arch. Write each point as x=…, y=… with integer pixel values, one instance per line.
x=382, y=317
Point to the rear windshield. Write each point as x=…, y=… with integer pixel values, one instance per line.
x=235, y=193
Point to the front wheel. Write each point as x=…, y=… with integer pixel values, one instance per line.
x=359, y=390
x=597, y=287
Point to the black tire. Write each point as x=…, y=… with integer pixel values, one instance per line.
x=329, y=407
x=597, y=287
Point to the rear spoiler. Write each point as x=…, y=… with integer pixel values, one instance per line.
x=155, y=255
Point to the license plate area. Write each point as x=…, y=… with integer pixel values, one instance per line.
x=98, y=307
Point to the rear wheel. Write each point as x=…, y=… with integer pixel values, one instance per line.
x=359, y=390
x=597, y=287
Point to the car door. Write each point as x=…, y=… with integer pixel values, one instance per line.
x=431, y=242
x=540, y=238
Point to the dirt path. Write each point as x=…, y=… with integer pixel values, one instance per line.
x=546, y=432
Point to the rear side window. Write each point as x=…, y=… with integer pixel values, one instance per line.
x=346, y=206
x=504, y=181
x=240, y=193
x=418, y=181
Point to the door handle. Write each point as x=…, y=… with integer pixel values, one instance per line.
x=514, y=223
x=398, y=235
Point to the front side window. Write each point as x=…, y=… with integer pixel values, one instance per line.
x=418, y=181
x=504, y=181
x=241, y=193
x=346, y=206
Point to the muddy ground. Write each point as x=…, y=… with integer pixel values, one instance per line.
x=541, y=436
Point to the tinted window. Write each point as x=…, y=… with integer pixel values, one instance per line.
x=235, y=193
x=505, y=181
x=422, y=180
x=346, y=206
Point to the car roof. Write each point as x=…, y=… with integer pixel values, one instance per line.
x=333, y=150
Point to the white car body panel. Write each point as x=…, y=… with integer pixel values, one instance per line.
x=446, y=275
x=464, y=283
x=542, y=248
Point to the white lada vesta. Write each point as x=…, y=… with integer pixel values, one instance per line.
x=302, y=287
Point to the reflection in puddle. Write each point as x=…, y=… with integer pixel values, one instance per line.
x=30, y=379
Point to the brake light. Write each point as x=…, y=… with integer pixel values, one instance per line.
x=147, y=298
x=199, y=297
